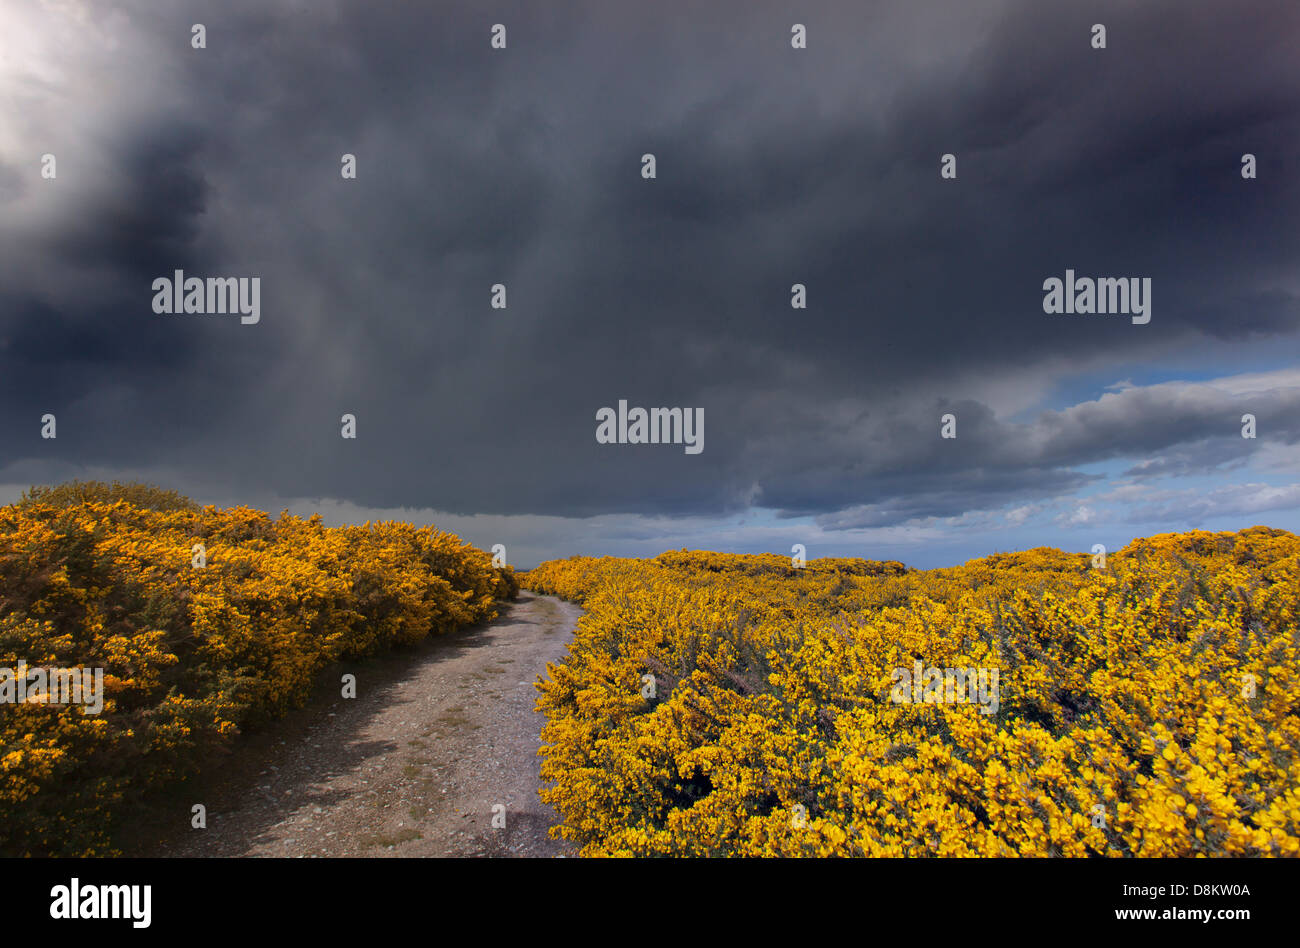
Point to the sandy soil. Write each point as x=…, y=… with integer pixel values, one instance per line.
x=436, y=738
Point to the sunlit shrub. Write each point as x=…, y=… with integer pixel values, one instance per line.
x=1147, y=709
x=102, y=576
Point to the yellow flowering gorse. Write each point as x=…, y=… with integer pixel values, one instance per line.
x=1127, y=723
x=102, y=577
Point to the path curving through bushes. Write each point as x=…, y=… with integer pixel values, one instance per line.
x=437, y=736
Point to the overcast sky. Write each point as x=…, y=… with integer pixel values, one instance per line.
x=775, y=166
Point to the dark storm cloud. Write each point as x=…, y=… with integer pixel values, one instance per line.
x=936, y=497
x=150, y=215
x=775, y=166
x=72, y=332
x=1177, y=428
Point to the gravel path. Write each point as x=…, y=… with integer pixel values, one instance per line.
x=436, y=738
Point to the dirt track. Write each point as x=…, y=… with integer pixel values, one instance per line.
x=413, y=766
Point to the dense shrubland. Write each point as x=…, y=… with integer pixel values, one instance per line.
x=1150, y=708
x=95, y=575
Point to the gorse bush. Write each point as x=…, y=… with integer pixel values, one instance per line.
x=1151, y=708
x=96, y=576
x=75, y=493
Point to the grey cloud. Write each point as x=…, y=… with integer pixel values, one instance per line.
x=775, y=167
